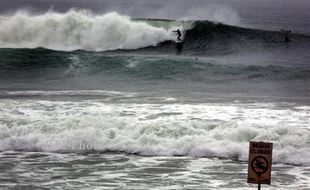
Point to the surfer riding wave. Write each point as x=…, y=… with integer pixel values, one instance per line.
x=179, y=34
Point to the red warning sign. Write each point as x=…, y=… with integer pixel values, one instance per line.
x=260, y=160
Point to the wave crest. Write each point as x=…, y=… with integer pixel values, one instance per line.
x=205, y=130
x=78, y=29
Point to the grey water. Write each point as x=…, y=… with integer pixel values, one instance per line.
x=81, y=115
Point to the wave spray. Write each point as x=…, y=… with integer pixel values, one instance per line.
x=78, y=29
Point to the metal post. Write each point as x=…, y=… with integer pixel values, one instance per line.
x=259, y=186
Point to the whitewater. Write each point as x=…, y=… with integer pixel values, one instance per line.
x=161, y=129
x=105, y=101
x=78, y=30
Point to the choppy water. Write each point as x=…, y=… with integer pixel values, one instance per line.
x=34, y=170
x=141, y=115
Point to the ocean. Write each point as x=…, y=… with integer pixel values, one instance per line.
x=106, y=101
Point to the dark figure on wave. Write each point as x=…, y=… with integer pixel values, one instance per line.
x=285, y=35
x=179, y=34
x=179, y=44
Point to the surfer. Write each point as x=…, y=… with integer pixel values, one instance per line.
x=179, y=34
x=179, y=44
x=285, y=35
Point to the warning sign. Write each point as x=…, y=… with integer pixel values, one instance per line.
x=259, y=165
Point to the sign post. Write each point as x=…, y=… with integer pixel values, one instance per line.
x=259, y=165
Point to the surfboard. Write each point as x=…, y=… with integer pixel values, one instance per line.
x=179, y=46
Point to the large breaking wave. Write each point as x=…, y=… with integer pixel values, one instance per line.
x=78, y=30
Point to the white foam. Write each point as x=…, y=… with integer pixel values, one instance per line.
x=78, y=29
x=221, y=130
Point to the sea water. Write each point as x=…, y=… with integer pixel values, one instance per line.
x=102, y=101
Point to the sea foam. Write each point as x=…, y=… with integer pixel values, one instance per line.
x=78, y=29
x=206, y=130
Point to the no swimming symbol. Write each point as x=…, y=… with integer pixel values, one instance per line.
x=260, y=159
x=259, y=165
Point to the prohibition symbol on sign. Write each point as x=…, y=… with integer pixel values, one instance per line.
x=260, y=159
x=259, y=165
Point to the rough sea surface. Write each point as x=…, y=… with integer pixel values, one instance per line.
x=105, y=101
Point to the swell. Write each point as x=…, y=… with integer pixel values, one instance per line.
x=202, y=37
x=42, y=64
x=82, y=30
